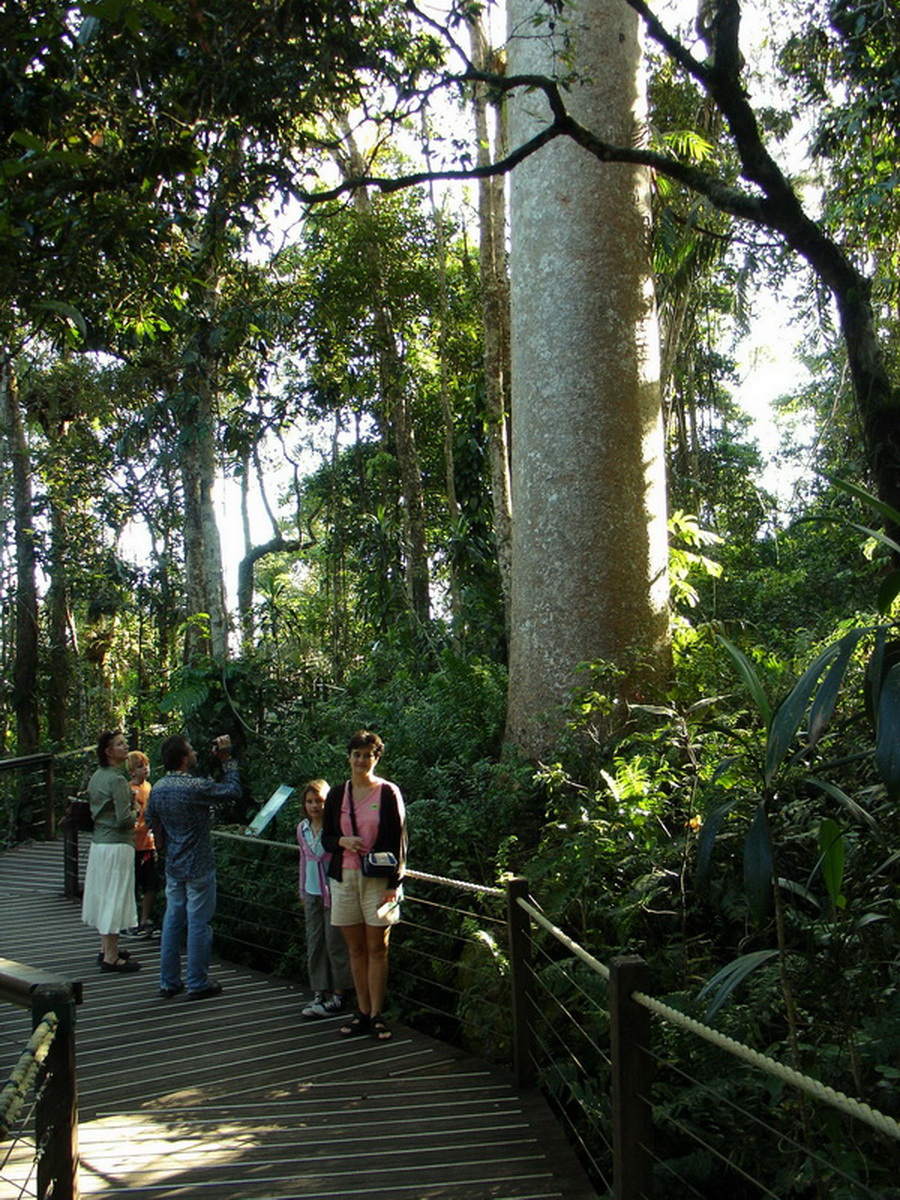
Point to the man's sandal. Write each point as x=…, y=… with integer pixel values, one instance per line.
x=380, y=1030
x=359, y=1023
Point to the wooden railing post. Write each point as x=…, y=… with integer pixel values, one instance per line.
x=50, y=804
x=632, y=1073
x=519, y=927
x=56, y=1112
x=70, y=858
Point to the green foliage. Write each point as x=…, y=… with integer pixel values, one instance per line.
x=685, y=560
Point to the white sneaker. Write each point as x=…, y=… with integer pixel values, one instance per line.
x=316, y=1008
x=337, y=1004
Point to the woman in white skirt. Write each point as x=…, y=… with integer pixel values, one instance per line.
x=109, y=898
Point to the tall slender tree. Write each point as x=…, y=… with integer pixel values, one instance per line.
x=495, y=299
x=25, y=607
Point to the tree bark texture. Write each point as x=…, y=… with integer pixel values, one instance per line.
x=589, y=576
x=25, y=699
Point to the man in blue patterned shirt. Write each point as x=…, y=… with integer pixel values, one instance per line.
x=180, y=812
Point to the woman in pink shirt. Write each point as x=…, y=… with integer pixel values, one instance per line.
x=365, y=814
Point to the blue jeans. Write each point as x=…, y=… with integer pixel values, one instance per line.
x=191, y=903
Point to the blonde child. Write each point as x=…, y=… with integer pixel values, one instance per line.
x=145, y=864
x=326, y=950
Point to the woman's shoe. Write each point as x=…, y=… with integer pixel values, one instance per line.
x=122, y=954
x=380, y=1030
x=357, y=1024
x=122, y=966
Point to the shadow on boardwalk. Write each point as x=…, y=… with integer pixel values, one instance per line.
x=240, y=1097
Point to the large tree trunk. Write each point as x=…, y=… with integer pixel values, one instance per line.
x=495, y=307
x=25, y=699
x=589, y=577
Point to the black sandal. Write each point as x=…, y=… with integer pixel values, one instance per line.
x=122, y=966
x=380, y=1030
x=359, y=1023
x=122, y=954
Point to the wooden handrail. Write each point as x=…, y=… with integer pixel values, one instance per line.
x=25, y=760
x=18, y=983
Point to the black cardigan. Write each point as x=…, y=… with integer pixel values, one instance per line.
x=391, y=832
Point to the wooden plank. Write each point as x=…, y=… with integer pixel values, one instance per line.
x=239, y=1097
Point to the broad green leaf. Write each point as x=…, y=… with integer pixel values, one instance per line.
x=831, y=847
x=28, y=140
x=867, y=919
x=877, y=535
x=887, y=739
x=826, y=697
x=706, y=839
x=855, y=810
x=791, y=711
x=852, y=489
x=758, y=867
x=874, y=669
x=723, y=767
x=791, y=885
x=725, y=981
x=751, y=680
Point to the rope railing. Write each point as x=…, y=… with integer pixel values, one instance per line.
x=771, y=1066
x=538, y=917
x=728, y=1158
x=804, y=1083
x=779, y=1136
x=24, y=1074
x=45, y=1071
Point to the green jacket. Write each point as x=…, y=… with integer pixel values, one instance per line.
x=111, y=806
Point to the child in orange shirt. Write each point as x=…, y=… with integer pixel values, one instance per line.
x=145, y=863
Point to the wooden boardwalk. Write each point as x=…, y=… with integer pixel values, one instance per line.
x=239, y=1097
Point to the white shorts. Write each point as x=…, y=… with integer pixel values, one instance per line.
x=356, y=898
